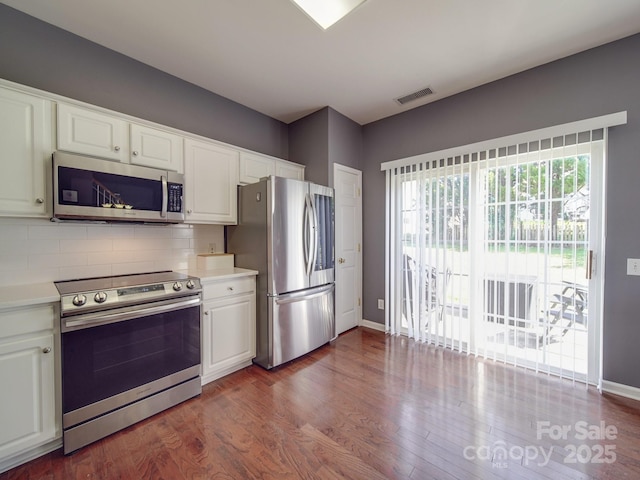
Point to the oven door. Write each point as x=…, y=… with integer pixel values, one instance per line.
x=116, y=358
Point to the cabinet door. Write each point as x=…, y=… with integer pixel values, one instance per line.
x=25, y=141
x=211, y=178
x=27, y=415
x=156, y=148
x=92, y=133
x=289, y=170
x=254, y=167
x=229, y=334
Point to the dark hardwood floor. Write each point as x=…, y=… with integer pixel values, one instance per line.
x=372, y=406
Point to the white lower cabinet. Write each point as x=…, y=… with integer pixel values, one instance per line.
x=228, y=326
x=28, y=378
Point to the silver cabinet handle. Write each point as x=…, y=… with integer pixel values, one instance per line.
x=206, y=312
x=230, y=289
x=135, y=153
x=189, y=211
x=46, y=350
x=116, y=148
x=39, y=200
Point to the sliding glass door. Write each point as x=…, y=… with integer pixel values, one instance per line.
x=493, y=253
x=535, y=251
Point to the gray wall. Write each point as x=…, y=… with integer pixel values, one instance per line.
x=597, y=82
x=40, y=55
x=345, y=142
x=308, y=145
x=323, y=138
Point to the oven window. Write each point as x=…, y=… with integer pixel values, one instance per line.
x=103, y=361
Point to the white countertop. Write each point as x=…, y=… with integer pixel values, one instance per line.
x=15, y=296
x=25, y=295
x=220, y=274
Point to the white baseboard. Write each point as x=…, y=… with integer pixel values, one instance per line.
x=372, y=325
x=29, y=455
x=621, y=389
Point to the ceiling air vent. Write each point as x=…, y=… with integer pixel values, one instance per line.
x=414, y=96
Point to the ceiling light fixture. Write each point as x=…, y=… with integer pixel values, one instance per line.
x=327, y=12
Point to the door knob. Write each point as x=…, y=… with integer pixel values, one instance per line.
x=341, y=260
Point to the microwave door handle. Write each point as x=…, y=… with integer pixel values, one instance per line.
x=165, y=196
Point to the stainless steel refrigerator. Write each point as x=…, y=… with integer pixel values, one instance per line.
x=285, y=231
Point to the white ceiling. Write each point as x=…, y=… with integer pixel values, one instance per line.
x=268, y=55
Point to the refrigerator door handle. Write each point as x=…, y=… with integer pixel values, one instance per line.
x=304, y=295
x=305, y=234
x=308, y=226
x=314, y=233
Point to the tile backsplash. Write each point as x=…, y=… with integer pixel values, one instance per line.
x=37, y=250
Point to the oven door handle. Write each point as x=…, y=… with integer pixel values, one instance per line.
x=122, y=314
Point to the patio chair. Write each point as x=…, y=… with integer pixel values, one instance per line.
x=567, y=308
x=433, y=293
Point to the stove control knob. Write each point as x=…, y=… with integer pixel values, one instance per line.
x=100, y=297
x=177, y=286
x=190, y=284
x=79, y=300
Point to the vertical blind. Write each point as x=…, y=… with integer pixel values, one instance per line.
x=487, y=248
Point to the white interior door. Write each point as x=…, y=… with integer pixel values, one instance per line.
x=348, y=214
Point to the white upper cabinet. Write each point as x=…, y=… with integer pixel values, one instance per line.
x=92, y=133
x=289, y=170
x=25, y=138
x=211, y=176
x=151, y=147
x=253, y=167
x=28, y=136
x=101, y=135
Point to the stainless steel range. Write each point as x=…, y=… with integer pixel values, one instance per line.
x=130, y=349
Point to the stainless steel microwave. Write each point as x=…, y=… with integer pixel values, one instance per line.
x=87, y=188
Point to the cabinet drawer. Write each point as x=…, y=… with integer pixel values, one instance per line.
x=232, y=286
x=26, y=320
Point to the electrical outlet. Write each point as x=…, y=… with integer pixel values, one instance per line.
x=380, y=304
x=212, y=248
x=633, y=266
